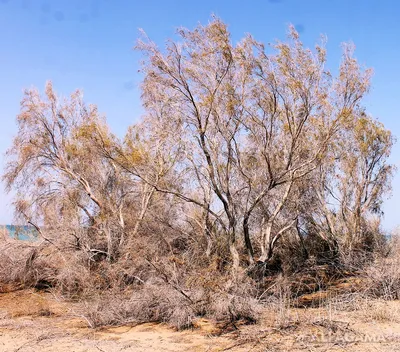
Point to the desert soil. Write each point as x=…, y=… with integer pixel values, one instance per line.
x=36, y=321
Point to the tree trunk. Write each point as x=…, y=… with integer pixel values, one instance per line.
x=265, y=242
x=249, y=247
x=233, y=250
x=235, y=258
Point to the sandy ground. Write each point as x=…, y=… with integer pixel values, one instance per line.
x=32, y=321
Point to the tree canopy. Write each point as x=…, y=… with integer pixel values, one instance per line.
x=242, y=149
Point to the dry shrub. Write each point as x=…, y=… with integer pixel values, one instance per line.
x=163, y=303
x=382, y=278
x=364, y=307
x=153, y=303
x=39, y=265
x=223, y=298
x=17, y=269
x=348, y=302
x=279, y=304
x=380, y=311
x=74, y=280
x=106, y=309
x=42, y=266
x=307, y=280
x=233, y=305
x=159, y=300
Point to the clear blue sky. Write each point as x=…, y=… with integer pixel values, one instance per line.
x=88, y=44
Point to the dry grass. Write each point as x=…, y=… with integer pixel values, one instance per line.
x=381, y=312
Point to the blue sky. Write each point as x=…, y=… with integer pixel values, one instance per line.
x=88, y=44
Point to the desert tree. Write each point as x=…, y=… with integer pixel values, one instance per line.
x=147, y=159
x=288, y=127
x=308, y=111
x=353, y=183
x=244, y=144
x=355, y=175
x=59, y=169
x=250, y=124
x=198, y=80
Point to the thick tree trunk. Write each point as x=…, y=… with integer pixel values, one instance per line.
x=265, y=242
x=235, y=259
x=269, y=241
x=246, y=233
x=233, y=251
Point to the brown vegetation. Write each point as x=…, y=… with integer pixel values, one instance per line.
x=254, y=178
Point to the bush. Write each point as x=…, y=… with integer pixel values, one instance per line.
x=158, y=301
x=382, y=278
x=153, y=303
